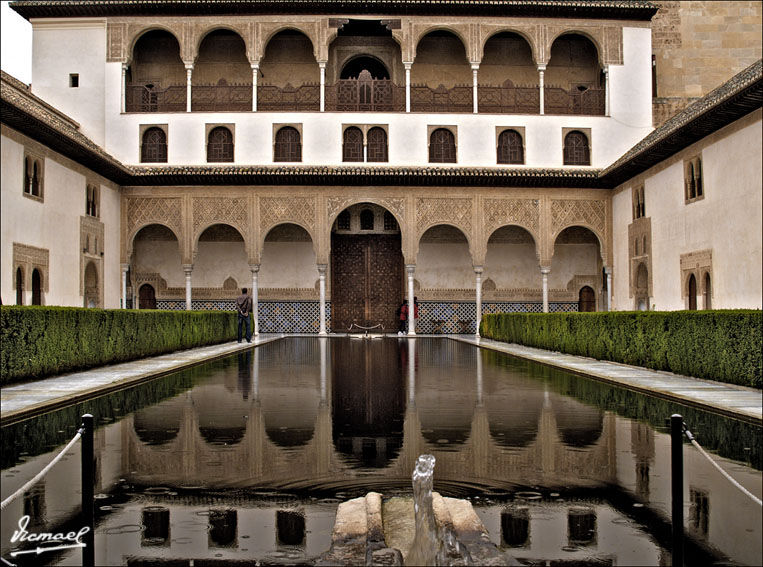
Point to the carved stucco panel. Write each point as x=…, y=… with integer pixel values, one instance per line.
x=522, y=212
x=419, y=29
x=28, y=258
x=435, y=210
x=220, y=210
x=277, y=210
x=135, y=29
x=161, y=210
x=588, y=213
x=116, y=34
x=198, y=30
x=335, y=205
x=697, y=264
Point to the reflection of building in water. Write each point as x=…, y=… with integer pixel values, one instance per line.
x=515, y=526
x=581, y=525
x=642, y=447
x=699, y=511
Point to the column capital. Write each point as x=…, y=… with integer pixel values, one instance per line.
x=125, y=267
x=475, y=66
x=322, y=64
x=545, y=270
x=542, y=67
x=478, y=269
x=187, y=269
x=322, y=269
x=255, y=66
x=254, y=268
x=407, y=65
x=188, y=66
x=608, y=270
x=410, y=268
x=125, y=66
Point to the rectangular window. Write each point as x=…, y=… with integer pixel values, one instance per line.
x=74, y=80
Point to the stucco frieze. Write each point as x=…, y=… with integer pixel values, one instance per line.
x=520, y=212
x=28, y=258
x=220, y=210
x=278, y=210
x=697, y=264
x=443, y=210
x=588, y=213
x=142, y=211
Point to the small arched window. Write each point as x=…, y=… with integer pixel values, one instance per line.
x=366, y=219
x=220, y=145
x=288, y=146
x=352, y=148
x=377, y=145
x=693, y=179
x=343, y=220
x=576, y=149
x=442, y=146
x=510, y=148
x=28, y=175
x=19, y=286
x=36, y=287
x=154, y=146
x=91, y=201
x=36, y=178
x=707, y=292
x=692, y=293
x=692, y=182
x=698, y=176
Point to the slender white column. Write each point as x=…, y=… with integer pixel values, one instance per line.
x=541, y=72
x=411, y=268
x=411, y=374
x=255, y=74
x=322, y=66
x=608, y=271
x=256, y=374
x=475, y=90
x=188, y=75
x=123, y=105
x=322, y=289
x=545, y=270
x=187, y=268
x=407, y=86
x=606, y=90
x=478, y=289
x=323, y=343
x=125, y=268
x=255, y=269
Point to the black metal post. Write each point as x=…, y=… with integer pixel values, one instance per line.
x=88, y=551
x=677, y=487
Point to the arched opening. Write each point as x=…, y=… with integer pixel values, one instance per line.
x=443, y=269
x=156, y=79
x=692, y=293
x=707, y=292
x=36, y=287
x=442, y=146
x=36, y=179
x=19, y=286
x=289, y=74
x=510, y=147
x=577, y=256
x=220, y=256
x=146, y=297
x=353, y=68
x=366, y=269
x=586, y=300
x=220, y=145
x=574, y=81
x=352, y=148
x=441, y=76
x=377, y=145
x=91, y=286
x=288, y=262
x=156, y=259
x=28, y=175
x=514, y=411
x=153, y=148
x=222, y=75
x=511, y=260
x=576, y=150
x=579, y=425
x=160, y=424
x=508, y=77
x=641, y=288
x=288, y=145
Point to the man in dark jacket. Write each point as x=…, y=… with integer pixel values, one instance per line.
x=244, y=306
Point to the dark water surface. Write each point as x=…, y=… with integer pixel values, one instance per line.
x=247, y=458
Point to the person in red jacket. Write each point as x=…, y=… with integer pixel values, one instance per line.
x=402, y=313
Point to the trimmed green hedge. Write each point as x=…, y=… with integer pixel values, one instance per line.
x=717, y=345
x=40, y=341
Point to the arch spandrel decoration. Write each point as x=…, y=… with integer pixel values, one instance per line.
x=532, y=34
x=201, y=30
x=521, y=212
x=395, y=205
x=265, y=31
x=220, y=210
x=454, y=211
x=288, y=210
x=142, y=211
x=608, y=40
x=590, y=214
x=463, y=32
x=132, y=32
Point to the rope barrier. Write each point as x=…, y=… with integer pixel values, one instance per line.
x=366, y=328
x=42, y=473
x=693, y=441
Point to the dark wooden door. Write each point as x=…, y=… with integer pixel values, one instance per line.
x=366, y=280
x=147, y=298
x=586, y=300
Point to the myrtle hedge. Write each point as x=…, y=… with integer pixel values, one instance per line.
x=722, y=345
x=40, y=341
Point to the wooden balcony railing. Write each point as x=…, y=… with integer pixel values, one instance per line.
x=144, y=98
x=221, y=97
x=365, y=95
x=557, y=100
x=441, y=99
x=508, y=99
x=306, y=97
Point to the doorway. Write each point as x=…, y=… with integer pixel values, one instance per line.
x=586, y=300
x=147, y=297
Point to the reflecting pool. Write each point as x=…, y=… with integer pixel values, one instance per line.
x=246, y=459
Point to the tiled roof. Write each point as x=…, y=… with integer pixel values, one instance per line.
x=613, y=9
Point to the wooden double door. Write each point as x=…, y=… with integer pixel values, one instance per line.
x=366, y=281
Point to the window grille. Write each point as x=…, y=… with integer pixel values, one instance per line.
x=576, y=150
x=377, y=145
x=367, y=220
x=352, y=150
x=288, y=145
x=390, y=222
x=343, y=221
x=442, y=146
x=154, y=147
x=220, y=145
x=510, y=147
x=27, y=175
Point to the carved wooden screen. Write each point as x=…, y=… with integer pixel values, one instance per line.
x=288, y=145
x=510, y=147
x=442, y=147
x=576, y=150
x=220, y=146
x=154, y=147
x=352, y=149
x=366, y=280
x=377, y=145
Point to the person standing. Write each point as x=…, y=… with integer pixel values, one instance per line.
x=415, y=312
x=244, y=306
x=402, y=312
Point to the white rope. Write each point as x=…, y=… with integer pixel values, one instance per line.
x=366, y=328
x=720, y=470
x=42, y=473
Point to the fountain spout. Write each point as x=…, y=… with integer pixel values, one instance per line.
x=425, y=547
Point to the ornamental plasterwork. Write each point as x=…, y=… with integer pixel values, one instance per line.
x=607, y=39
x=28, y=258
x=437, y=210
x=698, y=264
x=569, y=212
x=115, y=39
x=278, y=210
x=522, y=212
x=532, y=33
x=220, y=210
x=142, y=211
x=92, y=245
x=335, y=205
x=639, y=252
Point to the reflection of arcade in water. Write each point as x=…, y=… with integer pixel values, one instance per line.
x=340, y=405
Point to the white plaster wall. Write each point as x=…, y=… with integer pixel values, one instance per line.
x=54, y=224
x=444, y=265
x=630, y=93
x=217, y=261
x=64, y=46
x=288, y=264
x=512, y=266
x=728, y=221
x=570, y=260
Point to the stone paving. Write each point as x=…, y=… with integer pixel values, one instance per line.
x=27, y=399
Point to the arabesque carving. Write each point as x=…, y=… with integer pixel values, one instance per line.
x=220, y=210
x=160, y=210
x=588, y=213
x=278, y=210
x=435, y=210
x=522, y=212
